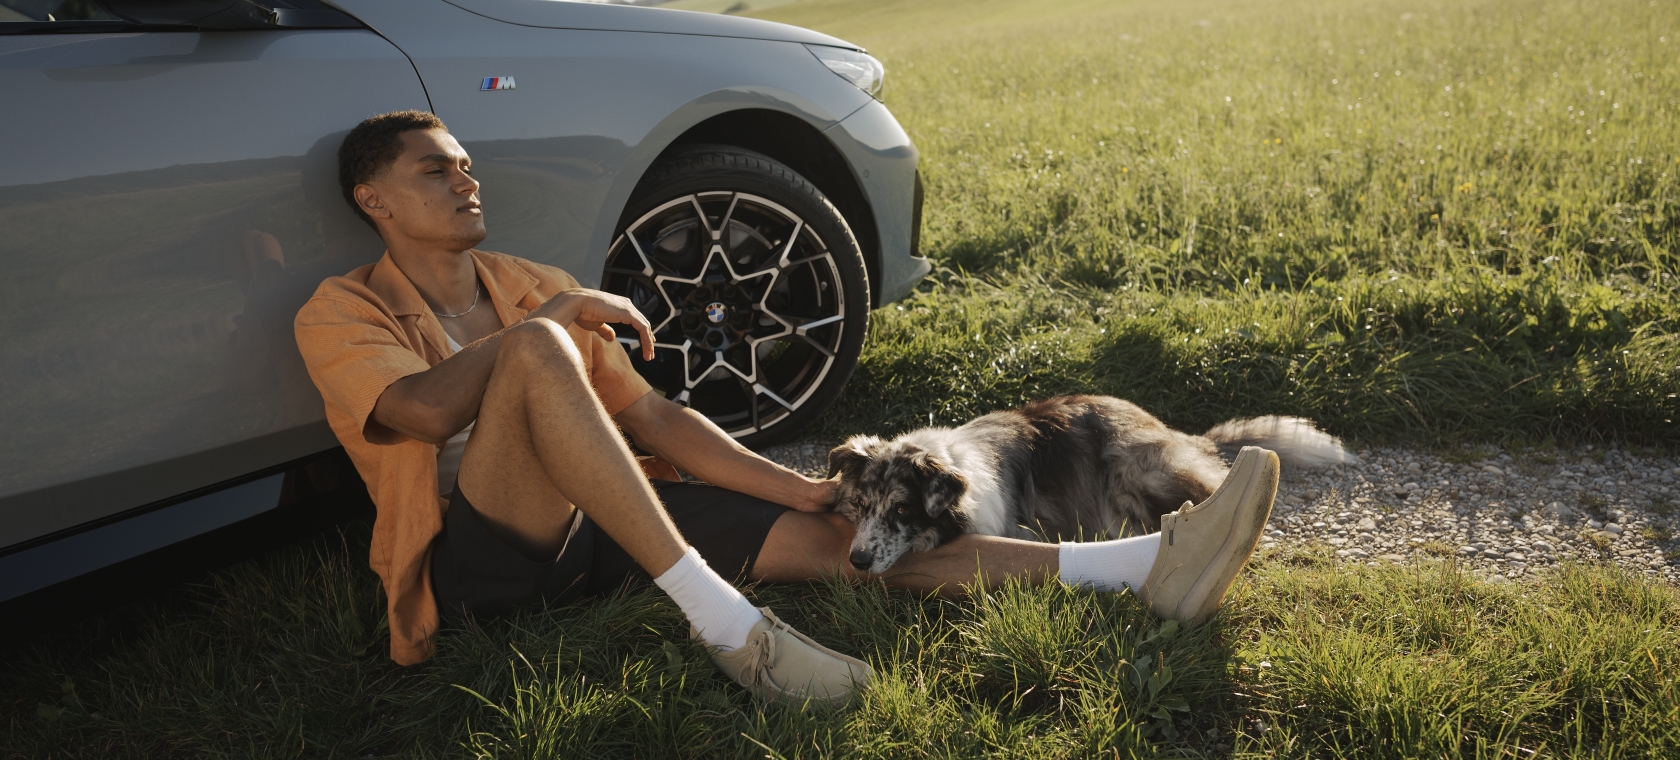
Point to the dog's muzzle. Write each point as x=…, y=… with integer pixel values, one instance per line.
x=862, y=559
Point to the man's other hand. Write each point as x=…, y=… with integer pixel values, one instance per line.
x=594, y=310
x=819, y=497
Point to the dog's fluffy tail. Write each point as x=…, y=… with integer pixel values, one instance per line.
x=1297, y=441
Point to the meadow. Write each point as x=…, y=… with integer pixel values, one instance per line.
x=1429, y=223
x=1434, y=223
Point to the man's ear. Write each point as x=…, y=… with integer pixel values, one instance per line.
x=370, y=202
x=848, y=456
x=942, y=487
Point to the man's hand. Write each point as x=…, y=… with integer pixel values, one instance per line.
x=593, y=310
x=820, y=497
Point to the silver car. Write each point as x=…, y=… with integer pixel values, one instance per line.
x=169, y=198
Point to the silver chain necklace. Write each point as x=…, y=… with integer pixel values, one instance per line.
x=469, y=308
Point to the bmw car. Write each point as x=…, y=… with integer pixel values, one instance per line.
x=169, y=199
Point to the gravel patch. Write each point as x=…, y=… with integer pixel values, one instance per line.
x=810, y=459
x=1504, y=516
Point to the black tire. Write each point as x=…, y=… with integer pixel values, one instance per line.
x=757, y=329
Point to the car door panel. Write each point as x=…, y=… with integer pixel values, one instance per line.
x=169, y=201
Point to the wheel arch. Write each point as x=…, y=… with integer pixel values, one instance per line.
x=803, y=148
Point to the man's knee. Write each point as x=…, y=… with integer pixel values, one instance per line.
x=803, y=542
x=837, y=532
x=539, y=344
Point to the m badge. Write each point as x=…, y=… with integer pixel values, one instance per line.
x=497, y=83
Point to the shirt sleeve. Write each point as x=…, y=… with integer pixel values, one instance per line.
x=353, y=354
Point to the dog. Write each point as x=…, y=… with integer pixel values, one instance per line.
x=1068, y=468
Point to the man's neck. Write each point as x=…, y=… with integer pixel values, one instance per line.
x=445, y=278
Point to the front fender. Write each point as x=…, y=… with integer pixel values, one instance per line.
x=661, y=137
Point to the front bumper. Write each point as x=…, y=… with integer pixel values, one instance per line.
x=883, y=160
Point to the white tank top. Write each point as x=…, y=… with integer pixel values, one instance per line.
x=449, y=455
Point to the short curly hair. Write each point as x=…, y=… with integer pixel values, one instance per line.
x=373, y=146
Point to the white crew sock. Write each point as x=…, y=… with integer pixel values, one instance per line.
x=1109, y=565
x=718, y=611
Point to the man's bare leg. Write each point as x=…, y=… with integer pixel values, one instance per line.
x=803, y=547
x=543, y=443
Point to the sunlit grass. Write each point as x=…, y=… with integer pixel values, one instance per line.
x=1436, y=222
x=284, y=657
x=1518, y=282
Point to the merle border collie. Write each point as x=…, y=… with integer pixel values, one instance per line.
x=1069, y=468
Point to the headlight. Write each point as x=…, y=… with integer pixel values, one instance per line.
x=860, y=69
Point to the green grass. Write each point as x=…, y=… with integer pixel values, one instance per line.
x=1221, y=208
x=1104, y=220
x=284, y=657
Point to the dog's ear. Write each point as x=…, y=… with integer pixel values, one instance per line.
x=942, y=486
x=848, y=456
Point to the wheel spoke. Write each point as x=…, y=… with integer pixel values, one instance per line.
x=750, y=390
x=818, y=323
x=700, y=215
x=818, y=346
x=723, y=224
x=787, y=250
x=806, y=260
x=647, y=266
x=773, y=397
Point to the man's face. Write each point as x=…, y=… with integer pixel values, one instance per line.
x=427, y=195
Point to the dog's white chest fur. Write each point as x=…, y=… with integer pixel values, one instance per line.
x=984, y=503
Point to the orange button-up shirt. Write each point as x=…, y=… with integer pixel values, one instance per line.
x=370, y=328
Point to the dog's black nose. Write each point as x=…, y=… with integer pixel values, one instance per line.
x=862, y=559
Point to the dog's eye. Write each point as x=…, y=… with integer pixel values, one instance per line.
x=902, y=511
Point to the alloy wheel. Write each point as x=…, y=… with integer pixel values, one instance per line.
x=746, y=300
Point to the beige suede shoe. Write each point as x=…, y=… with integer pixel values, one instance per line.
x=1203, y=546
x=779, y=663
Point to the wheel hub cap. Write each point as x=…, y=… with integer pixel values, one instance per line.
x=717, y=315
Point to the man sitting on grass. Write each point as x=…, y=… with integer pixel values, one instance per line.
x=482, y=396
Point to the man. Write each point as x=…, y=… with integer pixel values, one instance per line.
x=482, y=398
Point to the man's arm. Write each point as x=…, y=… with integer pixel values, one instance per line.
x=433, y=405
x=688, y=440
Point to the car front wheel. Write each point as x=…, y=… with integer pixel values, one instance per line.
x=754, y=284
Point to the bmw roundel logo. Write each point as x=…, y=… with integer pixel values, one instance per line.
x=716, y=312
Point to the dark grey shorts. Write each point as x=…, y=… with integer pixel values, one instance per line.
x=474, y=573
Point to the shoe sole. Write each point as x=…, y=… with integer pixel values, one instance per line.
x=1256, y=473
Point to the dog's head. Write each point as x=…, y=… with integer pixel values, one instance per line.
x=901, y=498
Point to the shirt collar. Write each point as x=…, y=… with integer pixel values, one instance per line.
x=506, y=285
x=394, y=288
